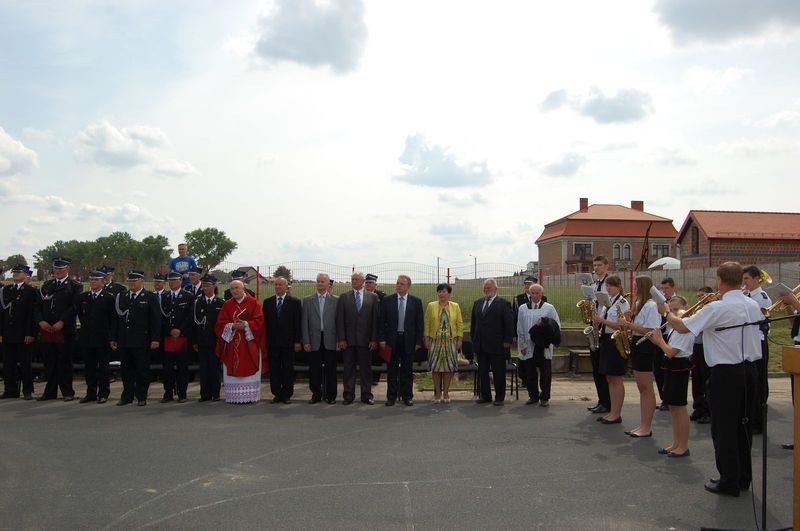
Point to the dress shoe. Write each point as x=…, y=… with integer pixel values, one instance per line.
x=741, y=487
x=69, y=398
x=408, y=402
x=497, y=403
x=544, y=403
x=86, y=400
x=592, y=408
x=347, y=401
x=124, y=402
x=181, y=400
x=637, y=436
x=276, y=400
x=27, y=397
x=204, y=399
x=483, y=400
x=705, y=419
x=368, y=401
x=102, y=400
x=604, y=420
x=600, y=409
x=43, y=398
x=696, y=414
x=663, y=406
x=287, y=400
x=663, y=451
x=314, y=399
x=713, y=486
x=4, y=396
x=141, y=403
x=531, y=401
x=331, y=400
x=215, y=399
x=166, y=399
x=682, y=454
x=389, y=403
x=788, y=446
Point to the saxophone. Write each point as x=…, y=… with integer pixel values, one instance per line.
x=623, y=336
x=586, y=307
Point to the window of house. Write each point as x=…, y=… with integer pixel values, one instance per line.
x=660, y=250
x=695, y=241
x=626, y=251
x=583, y=250
x=617, y=251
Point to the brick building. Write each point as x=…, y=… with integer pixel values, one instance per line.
x=567, y=245
x=709, y=238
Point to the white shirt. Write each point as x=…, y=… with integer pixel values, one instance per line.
x=763, y=300
x=683, y=342
x=648, y=316
x=612, y=314
x=728, y=347
x=601, y=290
x=526, y=318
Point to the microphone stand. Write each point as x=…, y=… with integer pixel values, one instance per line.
x=763, y=324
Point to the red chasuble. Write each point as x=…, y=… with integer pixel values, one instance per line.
x=239, y=355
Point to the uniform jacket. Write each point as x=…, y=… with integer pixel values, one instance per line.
x=97, y=317
x=17, y=313
x=56, y=302
x=204, y=318
x=138, y=320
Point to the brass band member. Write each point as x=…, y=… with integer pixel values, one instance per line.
x=612, y=364
x=646, y=317
x=600, y=266
x=752, y=277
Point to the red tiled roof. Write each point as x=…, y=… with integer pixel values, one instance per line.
x=744, y=225
x=609, y=220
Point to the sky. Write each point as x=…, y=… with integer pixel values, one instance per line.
x=352, y=131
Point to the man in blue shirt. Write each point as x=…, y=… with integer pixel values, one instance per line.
x=183, y=263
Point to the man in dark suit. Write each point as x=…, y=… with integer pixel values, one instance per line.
x=357, y=335
x=137, y=332
x=491, y=331
x=205, y=311
x=18, y=332
x=282, y=314
x=55, y=315
x=401, y=326
x=176, y=323
x=95, y=309
x=109, y=285
x=318, y=330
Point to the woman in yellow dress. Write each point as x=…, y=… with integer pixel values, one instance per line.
x=444, y=328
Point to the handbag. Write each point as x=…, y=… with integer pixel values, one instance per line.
x=462, y=361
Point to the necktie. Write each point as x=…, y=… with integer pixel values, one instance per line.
x=133, y=296
x=485, y=306
x=279, y=306
x=208, y=300
x=401, y=315
x=358, y=301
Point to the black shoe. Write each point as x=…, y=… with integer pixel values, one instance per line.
x=69, y=398
x=705, y=419
x=27, y=397
x=592, y=408
x=4, y=396
x=663, y=406
x=544, y=403
x=498, y=403
x=664, y=451
x=204, y=399
x=276, y=400
x=637, y=436
x=102, y=400
x=181, y=400
x=215, y=399
x=604, y=420
x=483, y=400
x=696, y=414
x=408, y=402
x=331, y=400
x=368, y=401
x=531, y=401
x=141, y=403
x=347, y=401
x=124, y=402
x=86, y=400
x=389, y=403
x=788, y=446
x=43, y=398
x=314, y=399
x=601, y=409
x=287, y=400
x=741, y=487
x=166, y=399
x=713, y=486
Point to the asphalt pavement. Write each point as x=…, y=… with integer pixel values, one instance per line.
x=431, y=466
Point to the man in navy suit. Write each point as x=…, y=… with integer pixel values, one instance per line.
x=282, y=316
x=491, y=330
x=401, y=326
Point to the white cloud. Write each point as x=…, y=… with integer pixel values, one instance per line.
x=129, y=147
x=702, y=80
x=755, y=146
x=314, y=33
x=42, y=135
x=14, y=156
x=627, y=105
x=786, y=118
x=724, y=21
x=458, y=230
x=462, y=201
x=673, y=156
x=568, y=166
x=432, y=165
x=53, y=203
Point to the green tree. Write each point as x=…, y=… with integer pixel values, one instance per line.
x=283, y=271
x=155, y=252
x=209, y=246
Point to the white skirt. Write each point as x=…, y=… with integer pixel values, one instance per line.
x=242, y=389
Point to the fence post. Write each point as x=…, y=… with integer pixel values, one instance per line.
x=258, y=282
x=448, y=275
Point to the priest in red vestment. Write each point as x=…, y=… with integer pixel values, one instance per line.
x=241, y=346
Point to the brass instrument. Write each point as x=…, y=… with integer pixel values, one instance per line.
x=586, y=307
x=693, y=309
x=623, y=337
x=779, y=307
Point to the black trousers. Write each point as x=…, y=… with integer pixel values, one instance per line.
x=600, y=382
x=731, y=395
x=281, y=372
x=95, y=361
x=497, y=364
x=135, y=372
x=658, y=373
x=17, y=362
x=699, y=380
x=58, y=369
x=363, y=357
x=210, y=374
x=399, y=374
x=175, y=380
x=539, y=373
x=762, y=384
x=322, y=372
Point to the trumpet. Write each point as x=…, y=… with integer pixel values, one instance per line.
x=779, y=306
x=693, y=309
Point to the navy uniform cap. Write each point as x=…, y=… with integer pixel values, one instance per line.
x=174, y=275
x=28, y=271
x=531, y=280
x=235, y=275
x=106, y=269
x=158, y=277
x=97, y=274
x=19, y=268
x=135, y=275
x=60, y=262
x=371, y=277
x=209, y=279
x=195, y=269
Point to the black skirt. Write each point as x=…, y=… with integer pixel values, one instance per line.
x=611, y=363
x=643, y=356
x=676, y=380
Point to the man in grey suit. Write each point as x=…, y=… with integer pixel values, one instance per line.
x=318, y=329
x=357, y=334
